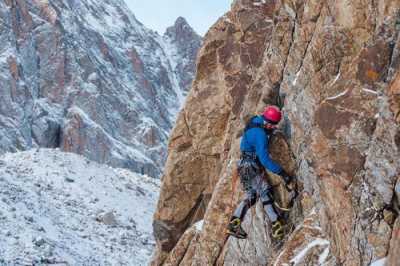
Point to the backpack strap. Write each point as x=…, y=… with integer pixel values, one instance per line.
x=251, y=125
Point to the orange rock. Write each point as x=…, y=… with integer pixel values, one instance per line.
x=332, y=64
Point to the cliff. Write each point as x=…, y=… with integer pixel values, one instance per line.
x=334, y=68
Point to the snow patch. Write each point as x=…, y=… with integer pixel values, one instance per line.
x=370, y=91
x=380, y=262
x=336, y=79
x=290, y=11
x=296, y=78
x=6, y=53
x=338, y=95
x=317, y=242
x=259, y=3
x=62, y=207
x=324, y=256
x=172, y=55
x=199, y=225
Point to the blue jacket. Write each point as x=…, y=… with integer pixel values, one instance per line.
x=256, y=140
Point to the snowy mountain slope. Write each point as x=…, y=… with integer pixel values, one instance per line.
x=87, y=77
x=61, y=207
x=181, y=41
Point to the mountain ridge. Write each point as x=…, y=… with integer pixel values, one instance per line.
x=95, y=56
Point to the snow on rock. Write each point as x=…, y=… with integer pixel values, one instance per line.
x=338, y=95
x=56, y=56
x=317, y=242
x=380, y=262
x=59, y=207
x=306, y=243
x=199, y=225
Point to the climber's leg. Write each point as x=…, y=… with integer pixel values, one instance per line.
x=265, y=192
x=235, y=225
x=247, y=173
x=248, y=201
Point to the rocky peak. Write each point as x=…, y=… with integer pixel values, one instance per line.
x=187, y=43
x=181, y=31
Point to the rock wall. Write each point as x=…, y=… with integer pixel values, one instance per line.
x=334, y=68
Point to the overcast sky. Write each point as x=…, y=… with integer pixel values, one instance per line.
x=160, y=14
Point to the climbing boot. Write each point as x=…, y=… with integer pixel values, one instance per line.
x=277, y=230
x=235, y=229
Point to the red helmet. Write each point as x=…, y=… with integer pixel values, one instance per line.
x=272, y=114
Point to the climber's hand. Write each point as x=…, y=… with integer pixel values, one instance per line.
x=289, y=180
x=290, y=186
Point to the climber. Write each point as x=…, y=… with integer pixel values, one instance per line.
x=254, y=159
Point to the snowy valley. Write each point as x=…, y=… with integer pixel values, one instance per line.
x=60, y=208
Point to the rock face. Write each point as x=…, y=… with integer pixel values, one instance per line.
x=86, y=76
x=187, y=44
x=335, y=68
